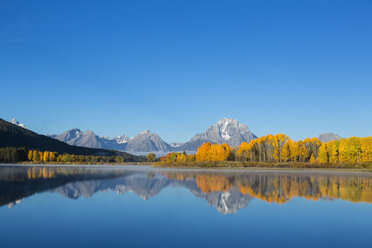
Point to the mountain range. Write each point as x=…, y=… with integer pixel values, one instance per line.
x=226, y=130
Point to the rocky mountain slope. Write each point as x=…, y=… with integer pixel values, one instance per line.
x=89, y=139
x=147, y=142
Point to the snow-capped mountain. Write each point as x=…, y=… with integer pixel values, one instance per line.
x=326, y=137
x=15, y=122
x=226, y=130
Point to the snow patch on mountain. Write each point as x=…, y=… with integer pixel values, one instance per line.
x=175, y=144
x=227, y=130
x=15, y=122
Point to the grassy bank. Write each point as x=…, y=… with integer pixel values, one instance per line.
x=237, y=164
x=83, y=163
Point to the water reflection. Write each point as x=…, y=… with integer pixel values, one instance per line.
x=226, y=191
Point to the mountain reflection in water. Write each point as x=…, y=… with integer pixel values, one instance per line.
x=227, y=191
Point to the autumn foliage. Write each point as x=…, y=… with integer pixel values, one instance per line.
x=214, y=152
x=352, y=150
x=177, y=157
x=47, y=156
x=280, y=148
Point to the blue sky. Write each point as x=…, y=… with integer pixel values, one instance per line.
x=176, y=67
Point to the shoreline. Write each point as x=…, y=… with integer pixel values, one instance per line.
x=253, y=169
x=151, y=167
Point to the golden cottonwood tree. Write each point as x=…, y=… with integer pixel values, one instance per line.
x=214, y=152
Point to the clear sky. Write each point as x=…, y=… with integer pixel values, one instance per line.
x=176, y=67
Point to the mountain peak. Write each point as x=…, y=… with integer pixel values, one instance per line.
x=326, y=137
x=227, y=130
x=76, y=131
x=146, y=132
x=225, y=120
x=15, y=122
x=147, y=142
x=89, y=132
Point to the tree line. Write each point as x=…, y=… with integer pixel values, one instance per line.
x=281, y=149
x=15, y=155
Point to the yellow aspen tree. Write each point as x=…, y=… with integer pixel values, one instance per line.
x=323, y=154
x=342, y=151
x=52, y=156
x=227, y=152
x=245, y=151
x=312, y=159
x=286, y=151
x=202, y=153
x=35, y=156
x=295, y=153
x=333, y=151
x=29, y=155
x=278, y=142
x=46, y=156
x=303, y=153
x=366, y=149
x=315, y=143
x=354, y=149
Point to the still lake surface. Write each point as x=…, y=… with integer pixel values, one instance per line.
x=140, y=206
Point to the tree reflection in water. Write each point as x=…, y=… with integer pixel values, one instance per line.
x=227, y=191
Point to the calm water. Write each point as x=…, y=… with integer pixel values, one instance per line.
x=144, y=207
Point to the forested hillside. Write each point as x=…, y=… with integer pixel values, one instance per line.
x=14, y=136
